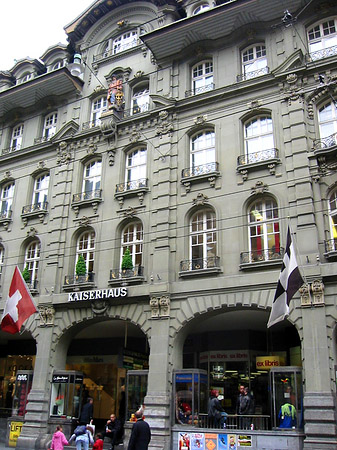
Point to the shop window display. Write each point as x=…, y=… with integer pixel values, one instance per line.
x=136, y=388
x=23, y=385
x=66, y=394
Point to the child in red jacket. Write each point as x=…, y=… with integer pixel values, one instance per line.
x=98, y=445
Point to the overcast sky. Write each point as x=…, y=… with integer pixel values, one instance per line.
x=29, y=27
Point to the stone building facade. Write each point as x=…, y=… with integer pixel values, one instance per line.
x=191, y=134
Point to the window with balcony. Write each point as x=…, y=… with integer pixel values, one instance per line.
x=202, y=78
x=99, y=106
x=254, y=62
x=259, y=140
x=202, y=243
x=49, y=127
x=86, y=249
x=7, y=195
x=263, y=232
x=16, y=140
x=327, y=120
x=91, y=187
x=125, y=41
x=135, y=171
x=2, y=257
x=32, y=261
x=140, y=100
x=322, y=39
x=40, y=192
x=331, y=244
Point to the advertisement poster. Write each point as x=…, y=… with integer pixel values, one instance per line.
x=14, y=433
x=244, y=441
x=197, y=441
x=184, y=441
x=232, y=442
x=222, y=441
x=211, y=441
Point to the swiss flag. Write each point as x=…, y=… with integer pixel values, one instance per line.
x=19, y=305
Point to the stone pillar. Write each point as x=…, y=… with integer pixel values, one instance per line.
x=34, y=431
x=319, y=401
x=157, y=401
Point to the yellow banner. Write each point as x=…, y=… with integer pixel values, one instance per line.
x=267, y=362
x=14, y=433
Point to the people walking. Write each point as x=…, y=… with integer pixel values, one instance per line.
x=140, y=434
x=59, y=440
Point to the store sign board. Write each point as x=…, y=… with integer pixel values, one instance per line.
x=14, y=433
x=267, y=362
x=97, y=294
x=224, y=355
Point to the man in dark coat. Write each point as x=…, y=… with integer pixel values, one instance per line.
x=140, y=434
x=87, y=412
x=113, y=430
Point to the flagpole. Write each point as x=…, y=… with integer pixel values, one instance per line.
x=298, y=254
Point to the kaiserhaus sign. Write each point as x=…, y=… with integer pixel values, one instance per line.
x=97, y=294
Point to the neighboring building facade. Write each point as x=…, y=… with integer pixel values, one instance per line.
x=168, y=146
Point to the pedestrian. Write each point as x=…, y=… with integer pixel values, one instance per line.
x=215, y=410
x=243, y=407
x=98, y=445
x=87, y=412
x=82, y=437
x=59, y=440
x=140, y=434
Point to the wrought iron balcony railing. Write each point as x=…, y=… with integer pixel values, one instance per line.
x=35, y=207
x=325, y=143
x=200, y=90
x=11, y=149
x=131, y=185
x=263, y=155
x=324, y=53
x=330, y=245
x=32, y=285
x=91, y=124
x=116, y=50
x=262, y=255
x=200, y=263
x=136, y=110
x=90, y=195
x=6, y=214
x=42, y=139
x=203, y=169
x=252, y=74
x=116, y=274
x=79, y=279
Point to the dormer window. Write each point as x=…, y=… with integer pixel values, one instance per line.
x=25, y=77
x=57, y=64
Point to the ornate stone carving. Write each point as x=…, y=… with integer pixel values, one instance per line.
x=135, y=136
x=47, y=315
x=164, y=127
x=160, y=307
x=317, y=288
x=154, y=304
x=139, y=74
x=328, y=85
x=91, y=149
x=200, y=120
x=201, y=200
x=84, y=221
x=259, y=188
x=99, y=306
x=292, y=88
x=63, y=154
x=305, y=295
x=254, y=105
x=7, y=175
x=111, y=156
x=32, y=232
x=129, y=212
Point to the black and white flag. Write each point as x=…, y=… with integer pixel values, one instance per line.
x=289, y=282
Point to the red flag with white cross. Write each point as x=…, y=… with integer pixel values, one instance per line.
x=19, y=305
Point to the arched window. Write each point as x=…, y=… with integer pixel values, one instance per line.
x=202, y=77
x=140, y=99
x=327, y=118
x=259, y=139
x=322, y=39
x=132, y=239
x=32, y=260
x=254, y=61
x=40, y=192
x=264, y=230
x=202, y=153
x=98, y=107
x=201, y=8
x=86, y=248
x=7, y=194
x=203, y=239
x=125, y=41
x=92, y=180
x=135, y=175
x=49, y=127
x=17, y=135
x=333, y=220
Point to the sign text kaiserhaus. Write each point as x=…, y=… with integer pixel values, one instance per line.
x=97, y=294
